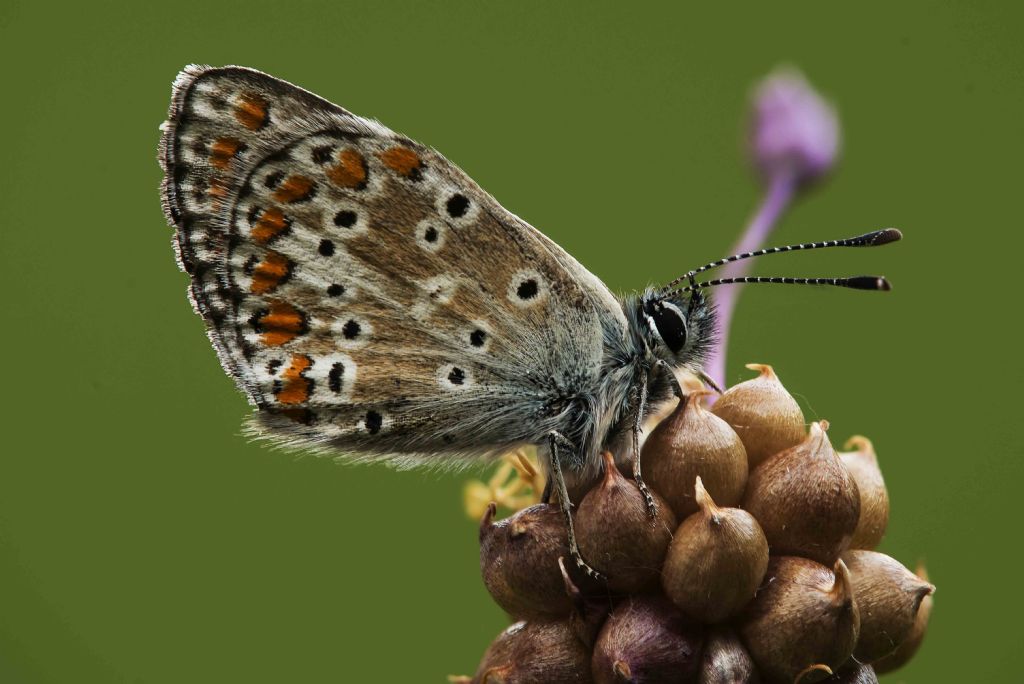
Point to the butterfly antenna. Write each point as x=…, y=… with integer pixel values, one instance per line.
x=872, y=239
x=864, y=282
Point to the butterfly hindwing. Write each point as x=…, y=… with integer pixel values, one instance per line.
x=363, y=291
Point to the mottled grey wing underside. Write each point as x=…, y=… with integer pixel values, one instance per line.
x=365, y=294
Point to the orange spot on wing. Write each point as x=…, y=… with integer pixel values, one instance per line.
x=217, y=189
x=280, y=324
x=270, y=273
x=401, y=160
x=297, y=387
x=223, y=150
x=350, y=171
x=251, y=111
x=294, y=189
x=271, y=223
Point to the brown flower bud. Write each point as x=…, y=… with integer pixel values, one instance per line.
x=715, y=562
x=646, y=639
x=725, y=661
x=519, y=561
x=618, y=537
x=588, y=613
x=764, y=415
x=803, y=615
x=805, y=499
x=874, y=499
x=889, y=597
x=693, y=441
x=531, y=652
x=905, y=651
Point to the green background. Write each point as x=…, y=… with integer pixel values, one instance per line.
x=142, y=539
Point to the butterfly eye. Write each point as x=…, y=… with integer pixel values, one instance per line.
x=669, y=322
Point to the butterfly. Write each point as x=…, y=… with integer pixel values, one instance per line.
x=373, y=302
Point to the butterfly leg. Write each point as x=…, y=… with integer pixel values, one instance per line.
x=710, y=382
x=641, y=404
x=677, y=389
x=554, y=440
x=545, y=497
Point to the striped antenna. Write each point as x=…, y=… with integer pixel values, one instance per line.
x=872, y=239
x=864, y=282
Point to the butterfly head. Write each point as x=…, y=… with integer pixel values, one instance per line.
x=677, y=329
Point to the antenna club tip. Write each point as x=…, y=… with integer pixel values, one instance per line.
x=869, y=282
x=885, y=236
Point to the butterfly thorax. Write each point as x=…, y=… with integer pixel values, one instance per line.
x=648, y=354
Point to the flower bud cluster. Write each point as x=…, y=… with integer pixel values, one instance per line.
x=758, y=567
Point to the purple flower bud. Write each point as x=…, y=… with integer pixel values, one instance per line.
x=794, y=141
x=795, y=132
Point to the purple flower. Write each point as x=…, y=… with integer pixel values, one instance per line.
x=794, y=141
x=795, y=131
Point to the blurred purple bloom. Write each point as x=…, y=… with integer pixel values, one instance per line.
x=794, y=141
x=795, y=132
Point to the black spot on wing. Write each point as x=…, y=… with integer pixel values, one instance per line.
x=374, y=421
x=527, y=289
x=322, y=154
x=457, y=205
x=334, y=378
x=351, y=330
x=345, y=219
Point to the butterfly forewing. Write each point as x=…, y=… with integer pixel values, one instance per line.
x=361, y=289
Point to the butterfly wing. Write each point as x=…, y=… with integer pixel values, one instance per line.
x=366, y=294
